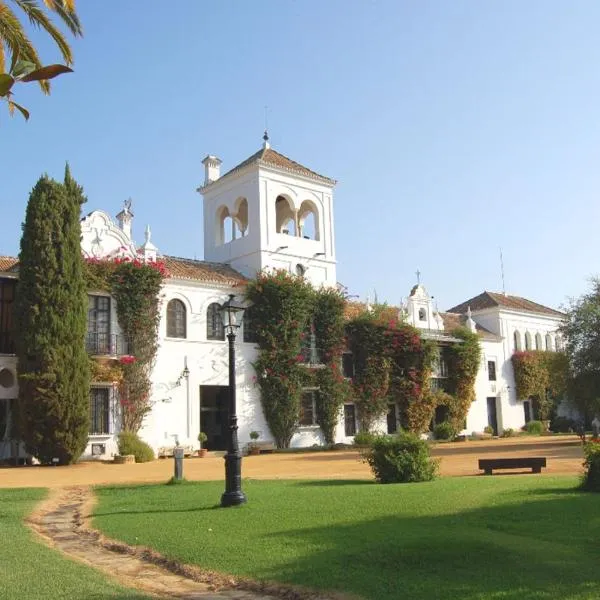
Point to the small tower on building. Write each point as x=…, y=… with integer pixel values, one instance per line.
x=125, y=218
x=270, y=212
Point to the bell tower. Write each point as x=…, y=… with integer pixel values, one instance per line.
x=270, y=212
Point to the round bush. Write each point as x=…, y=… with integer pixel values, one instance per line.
x=591, y=477
x=130, y=443
x=401, y=459
x=444, y=431
x=562, y=425
x=534, y=427
x=365, y=438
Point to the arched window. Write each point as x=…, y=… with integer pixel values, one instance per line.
x=308, y=219
x=241, y=217
x=285, y=217
x=548, y=342
x=176, y=319
x=557, y=344
x=527, y=340
x=538, y=342
x=517, y=341
x=300, y=270
x=248, y=326
x=422, y=314
x=229, y=230
x=214, y=322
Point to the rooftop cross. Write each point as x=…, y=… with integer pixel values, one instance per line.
x=418, y=274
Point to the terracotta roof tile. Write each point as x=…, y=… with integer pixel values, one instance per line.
x=493, y=300
x=178, y=268
x=199, y=270
x=271, y=158
x=451, y=320
x=8, y=263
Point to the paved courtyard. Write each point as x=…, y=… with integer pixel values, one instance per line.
x=564, y=455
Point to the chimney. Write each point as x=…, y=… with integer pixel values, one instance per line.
x=212, y=169
x=125, y=217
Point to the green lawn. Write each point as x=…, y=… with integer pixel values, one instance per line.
x=472, y=537
x=31, y=571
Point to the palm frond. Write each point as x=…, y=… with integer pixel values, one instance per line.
x=65, y=9
x=15, y=39
x=2, y=57
x=38, y=18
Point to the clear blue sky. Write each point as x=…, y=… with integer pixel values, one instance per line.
x=453, y=128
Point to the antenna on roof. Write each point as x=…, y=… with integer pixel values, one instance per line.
x=502, y=272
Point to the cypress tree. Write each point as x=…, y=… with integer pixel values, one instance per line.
x=51, y=315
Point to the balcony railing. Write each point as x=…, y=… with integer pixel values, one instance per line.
x=311, y=356
x=106, y=344
x=439, y=384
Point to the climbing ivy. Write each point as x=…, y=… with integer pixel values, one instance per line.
x=464, y=360
x=135, y=286
x=282, y=306
x=541, y=375
x=329, y=322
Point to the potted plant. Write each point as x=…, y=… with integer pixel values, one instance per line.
x=253, y=447
x=202, y=437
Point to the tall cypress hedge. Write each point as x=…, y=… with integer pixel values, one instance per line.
x=51, y=314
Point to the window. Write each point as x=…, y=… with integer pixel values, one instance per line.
x=548, y=342
x=300, y=270
x=99, y=410
x=557, y=344
x=422, y=314
x=517, y=341
x=308, y=408
x=249, y=327
x=527, y=340
x=538, y=342
x=348, y=364
x=7, y=297
x=98, y=329
x=176, y=319
x=214, y=323
x=392, y=419
x=491, y=370
x=349, y=419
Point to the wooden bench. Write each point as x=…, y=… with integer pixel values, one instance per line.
x=264, y=447
x=533, y=463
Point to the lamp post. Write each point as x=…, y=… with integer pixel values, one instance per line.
x=233, y=495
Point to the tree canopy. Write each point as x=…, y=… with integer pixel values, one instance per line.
x=581, y=332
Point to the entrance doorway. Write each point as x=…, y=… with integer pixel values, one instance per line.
x=492, y=414
x=527, y=409
x=392, y=419
x=213, y=415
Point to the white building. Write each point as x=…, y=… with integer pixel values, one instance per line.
x=267, y=212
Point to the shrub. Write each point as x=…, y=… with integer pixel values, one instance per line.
x=562, y=425
x=508, y=432
x=534, y=427
x=365, y=438
x=488, y=429
x=444, y=431
x=130, y=443
x=591, y=477
x=400, y=459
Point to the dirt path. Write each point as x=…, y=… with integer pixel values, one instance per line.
x=62, y=521
x=564, y=455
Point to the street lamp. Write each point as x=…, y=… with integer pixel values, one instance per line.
x=231, y=314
